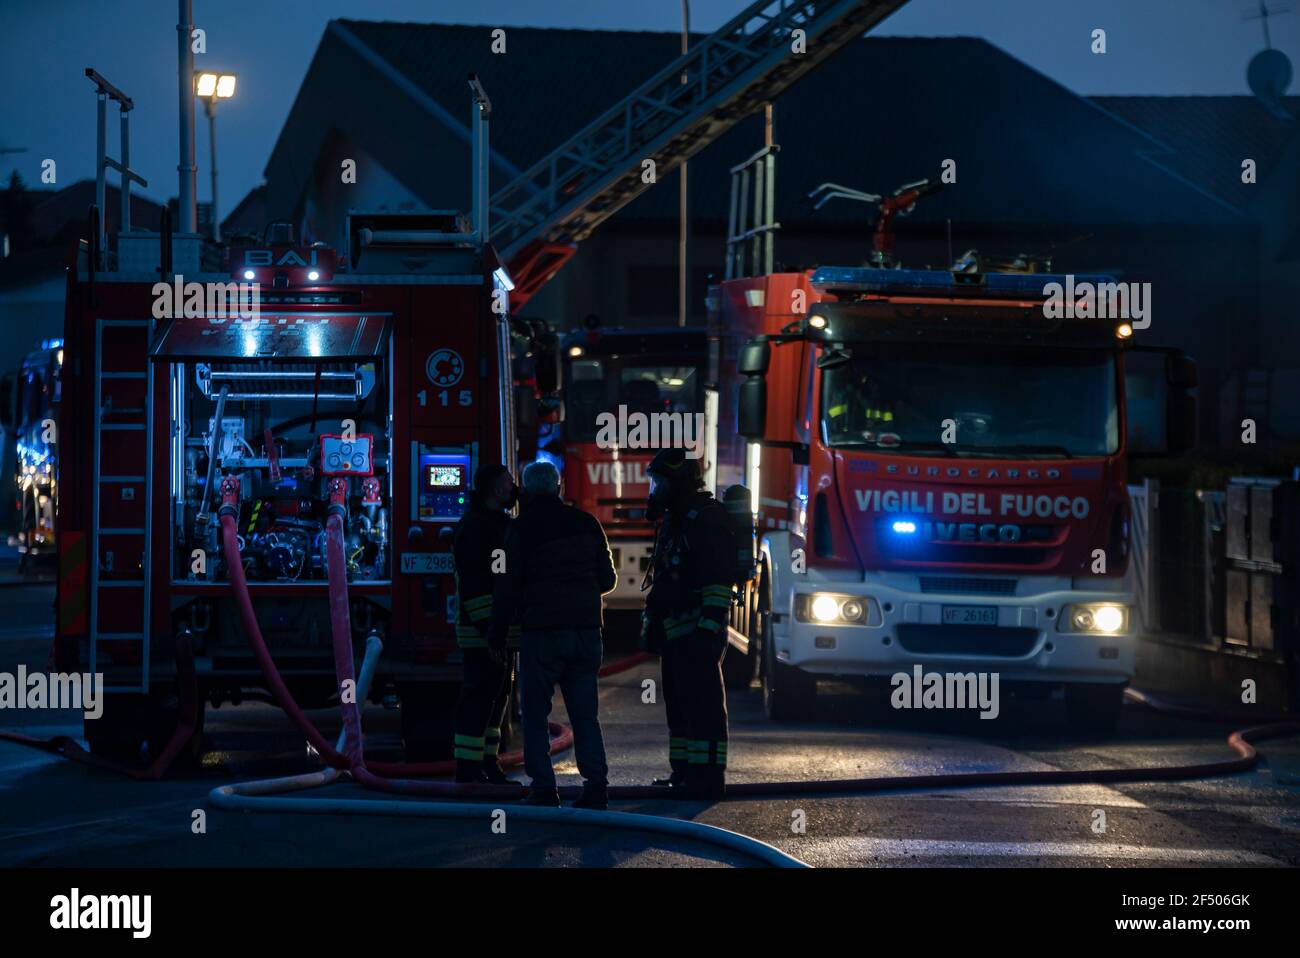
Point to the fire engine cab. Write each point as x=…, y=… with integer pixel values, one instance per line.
x=624, y=373
x=939, y=477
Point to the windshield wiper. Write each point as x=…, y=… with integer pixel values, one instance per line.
x=905, y=446
x=1026, y=447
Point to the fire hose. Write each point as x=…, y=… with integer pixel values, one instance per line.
x=349, y=754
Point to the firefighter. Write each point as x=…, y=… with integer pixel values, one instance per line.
x=479, y=550
x=685, y=620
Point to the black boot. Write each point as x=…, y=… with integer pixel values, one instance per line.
x=469, y=772
x=676, y=780
x=545, y=797
x=493, y=772
x=706, y=783
x=595, y=796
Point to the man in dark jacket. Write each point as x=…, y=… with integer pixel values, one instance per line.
x=557, y=568
x=478, y=548
x=685, y=620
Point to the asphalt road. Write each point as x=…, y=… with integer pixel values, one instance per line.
x=54, y=812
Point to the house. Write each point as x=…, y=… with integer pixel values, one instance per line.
x=1148, y=188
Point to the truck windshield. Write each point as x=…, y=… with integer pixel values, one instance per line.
x=597, y=385
x=1003, y=402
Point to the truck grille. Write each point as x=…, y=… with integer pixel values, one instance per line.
x=966, y=640
x=966, y=585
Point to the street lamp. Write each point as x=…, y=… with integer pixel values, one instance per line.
x=683, y=223
x=211, y=87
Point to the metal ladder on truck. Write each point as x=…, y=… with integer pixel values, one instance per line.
x=121, y=516
x=540, y=217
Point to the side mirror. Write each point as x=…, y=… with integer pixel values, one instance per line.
x=752, y=415
x=755, y=356
x=1180, y=371
x=1180, y=423
x=548, y=363
x=525, y=410
x=1161, y=409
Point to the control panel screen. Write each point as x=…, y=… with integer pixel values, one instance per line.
x=444, y=476
x=442, y=492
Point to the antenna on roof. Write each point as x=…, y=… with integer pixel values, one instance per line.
x=1269, y=71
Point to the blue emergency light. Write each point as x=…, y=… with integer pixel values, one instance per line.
x=904, y=527
x=874, y=280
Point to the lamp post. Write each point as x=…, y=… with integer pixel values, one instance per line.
x=211, y=87
x=683, y=223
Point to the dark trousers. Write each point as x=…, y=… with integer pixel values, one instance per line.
x=696, y=702
x=481, y=692
x=670, y=669
x=569, y=658
x=492, y=743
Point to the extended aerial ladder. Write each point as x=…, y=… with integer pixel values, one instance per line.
x=539, y=218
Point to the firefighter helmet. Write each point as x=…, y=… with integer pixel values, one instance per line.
x=676, y=467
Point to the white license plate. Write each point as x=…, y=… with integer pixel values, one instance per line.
x=427, y=563
x=970, y=615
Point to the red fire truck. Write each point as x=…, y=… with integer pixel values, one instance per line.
x=293, y=385
x=938, y=472
x=623, y=372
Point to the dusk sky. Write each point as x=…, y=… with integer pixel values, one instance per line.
x=1154, y=47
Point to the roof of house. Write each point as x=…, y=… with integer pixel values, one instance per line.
x=249, y=215
x=55, y=211
x=885, y=111
x=1210, y=136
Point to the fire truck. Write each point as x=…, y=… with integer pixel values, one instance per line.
x=372, y=380
x=369, y=382
x=938, y=471
x=622, y=371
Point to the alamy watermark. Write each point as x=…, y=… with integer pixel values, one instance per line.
x=656, y=430
x=946, y=690
x=58, y=690
x=76, y=911
x=182, y=300
x=1089, y=300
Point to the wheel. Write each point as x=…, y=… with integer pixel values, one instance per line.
x=740, y=669
x=121, y=729
x=428, y=714
x=788, y=693
x=1093, y=707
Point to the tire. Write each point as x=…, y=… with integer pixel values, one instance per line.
x=121, y=730
x=788, y=692
x=428, y=714
x=1093, y=707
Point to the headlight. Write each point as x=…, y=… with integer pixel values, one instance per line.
x=1095, y=618
x=828, y=608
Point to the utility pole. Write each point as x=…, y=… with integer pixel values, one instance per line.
x=683, y=224
x=188, y=219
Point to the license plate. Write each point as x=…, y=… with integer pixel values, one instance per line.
x=427, y=563
x=970, y=615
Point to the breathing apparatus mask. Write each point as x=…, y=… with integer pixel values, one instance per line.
x=661, y=497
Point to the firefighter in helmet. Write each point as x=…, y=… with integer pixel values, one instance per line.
x=685, y=620
x=479, y=550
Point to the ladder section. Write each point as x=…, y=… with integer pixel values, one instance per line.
x=751, y=60
x=121, y=507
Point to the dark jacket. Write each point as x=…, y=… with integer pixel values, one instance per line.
x=557, y=567
x=694, y=562
x=479, y=533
